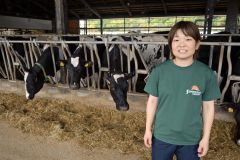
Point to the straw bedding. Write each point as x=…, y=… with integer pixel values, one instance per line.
x=99, y=127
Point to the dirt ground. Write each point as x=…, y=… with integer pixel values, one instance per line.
x=15, y=145
x=86, y=126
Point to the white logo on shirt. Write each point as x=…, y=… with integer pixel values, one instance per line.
x=194, y=91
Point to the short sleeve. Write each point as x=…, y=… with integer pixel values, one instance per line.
x=212, y=91
x=151, y=86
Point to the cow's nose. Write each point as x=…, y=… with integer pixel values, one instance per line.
x=123, y=107
x=74, y=86
x=30, y=97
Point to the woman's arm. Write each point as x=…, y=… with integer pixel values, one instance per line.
x=150, y=115
x=208, y=117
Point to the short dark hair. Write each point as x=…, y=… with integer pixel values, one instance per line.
x=189, y=29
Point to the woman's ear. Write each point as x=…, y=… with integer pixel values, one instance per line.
x=197, y=45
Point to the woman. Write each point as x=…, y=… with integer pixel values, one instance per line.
x=181, y=99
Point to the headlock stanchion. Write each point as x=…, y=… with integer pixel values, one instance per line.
x=11, y=61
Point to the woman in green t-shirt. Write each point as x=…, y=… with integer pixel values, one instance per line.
x=180, y=107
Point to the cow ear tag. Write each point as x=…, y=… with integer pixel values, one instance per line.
x=86, y=65
x=61, y=64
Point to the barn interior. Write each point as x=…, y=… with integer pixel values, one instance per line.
x=89, y=114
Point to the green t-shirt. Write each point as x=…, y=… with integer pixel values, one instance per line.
x=180, y=92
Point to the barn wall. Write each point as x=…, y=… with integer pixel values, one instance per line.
x=24, y=23
x=73, y=26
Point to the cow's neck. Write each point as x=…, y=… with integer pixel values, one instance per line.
x=37, y=72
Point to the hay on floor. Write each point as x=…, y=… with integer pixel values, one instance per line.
x=99, y=126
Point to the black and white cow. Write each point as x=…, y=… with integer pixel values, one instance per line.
x=84, y=53
x=140, y=56
x=237, y=118
x=117, y=78
x=36, y=76
x=76, y=68
x=204, y=55
x=232, y=92
x=153, y=54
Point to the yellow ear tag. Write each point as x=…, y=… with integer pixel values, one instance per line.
x=230, y=109
x=61, y=64
x=86, y=65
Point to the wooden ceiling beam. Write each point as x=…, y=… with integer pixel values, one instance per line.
x=126, y=7
x=74, y=14
x=44, y=8
x=91, y=9
x=164, y=7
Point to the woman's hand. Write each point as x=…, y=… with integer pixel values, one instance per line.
x=148, y=139
x=203, y=147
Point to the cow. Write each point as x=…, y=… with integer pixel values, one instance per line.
x=233, y=93
x=203, y=56
x=119, y=73
x=117, y=78
x=153, y=54
x=237, y=118
x=35, y=77
x=85, y=52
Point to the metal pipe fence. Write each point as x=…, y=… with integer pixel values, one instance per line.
x=10, y=63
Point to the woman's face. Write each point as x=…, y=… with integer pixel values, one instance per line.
x=183, y=47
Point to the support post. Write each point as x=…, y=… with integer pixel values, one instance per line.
x=232, y=16
x=61, y=16
x=209, y=16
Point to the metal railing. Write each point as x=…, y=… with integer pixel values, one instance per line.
x=10, y=63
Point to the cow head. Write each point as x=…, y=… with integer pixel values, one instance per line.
x=76, y=68
x=151, y=53
x=118, y=85
x=33, y=83
x=34, y=77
